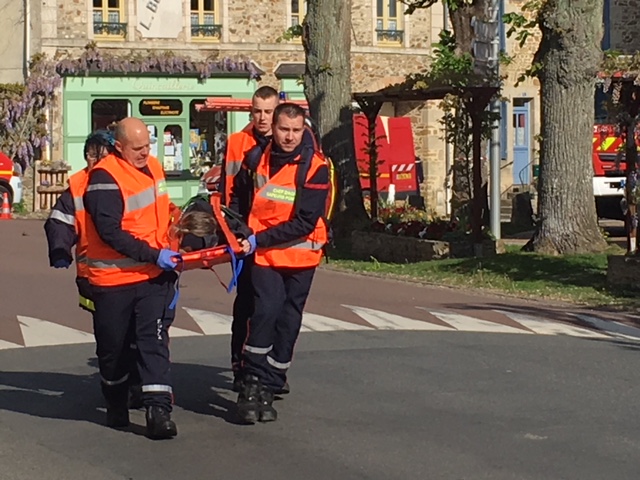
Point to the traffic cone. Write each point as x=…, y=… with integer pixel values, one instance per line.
x=6, y=208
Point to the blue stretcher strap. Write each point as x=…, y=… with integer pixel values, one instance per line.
x=174, y=302
x=236, y=268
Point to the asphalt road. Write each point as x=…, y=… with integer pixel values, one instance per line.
x=390, y=381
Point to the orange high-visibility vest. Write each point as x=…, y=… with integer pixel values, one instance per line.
x=238, y=144
x=273, y=204
x=77, y=186
x=145, y=216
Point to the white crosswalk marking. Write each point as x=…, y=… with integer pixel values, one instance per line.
x=7, y=345
x=612, y=328
x=547, y=327
x=465, y=323
x=175, y=332
x=391, y=321
x=319, y=323
x=210, y=323
x=38, y=333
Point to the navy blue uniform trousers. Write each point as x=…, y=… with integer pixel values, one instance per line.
x=243, y=307
x=143, y=308
x=280, y=295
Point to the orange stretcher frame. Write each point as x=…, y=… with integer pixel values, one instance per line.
x=210, y=257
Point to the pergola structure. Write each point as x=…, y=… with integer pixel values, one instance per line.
x=477, y=99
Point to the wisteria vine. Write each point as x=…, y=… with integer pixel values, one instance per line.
x=23, y=129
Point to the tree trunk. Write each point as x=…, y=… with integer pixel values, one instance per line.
x=327, y=85
x=570, y=56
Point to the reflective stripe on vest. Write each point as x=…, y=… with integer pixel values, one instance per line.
x=273, y=204
x=146, y=216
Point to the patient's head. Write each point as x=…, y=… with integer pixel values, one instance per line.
x=197, y=230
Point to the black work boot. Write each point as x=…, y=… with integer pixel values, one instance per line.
x=286, y=389
x=238, y=381
x=249, y=400
x=117, y=417
x=159, y=423
x=117, y=411
x=135, y=397
x=267, y=412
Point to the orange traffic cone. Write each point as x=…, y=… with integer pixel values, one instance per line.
x=6, y=208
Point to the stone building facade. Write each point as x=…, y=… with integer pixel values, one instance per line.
x=386, y=46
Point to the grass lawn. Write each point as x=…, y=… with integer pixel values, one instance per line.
x=576, y=278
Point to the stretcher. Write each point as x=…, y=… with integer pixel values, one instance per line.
x=210, y=257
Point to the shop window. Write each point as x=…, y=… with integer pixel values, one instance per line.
x=105, y=113
x=205, y=20
x=207, y=138
x=171, y=144
x=109, y=18
x=389, y=22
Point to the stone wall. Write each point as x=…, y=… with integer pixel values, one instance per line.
x=624, y=18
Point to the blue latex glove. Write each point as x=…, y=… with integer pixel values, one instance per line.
x=61, y=263
x=252, y=241
x=168, y=259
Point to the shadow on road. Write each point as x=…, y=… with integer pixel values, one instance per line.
x=197, y=388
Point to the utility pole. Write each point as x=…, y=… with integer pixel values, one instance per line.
x=494, y=152
x=486, y=50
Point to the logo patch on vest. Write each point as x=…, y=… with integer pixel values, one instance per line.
x=280, y=194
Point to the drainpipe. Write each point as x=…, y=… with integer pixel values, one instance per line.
x=27, y=36
x=447, y=146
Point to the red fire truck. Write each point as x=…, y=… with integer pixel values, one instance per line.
x=396, y=152
x=10, y=179
x=608, y=160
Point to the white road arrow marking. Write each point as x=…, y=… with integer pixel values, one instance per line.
x=319, y=323
x=391, y=321
x=465, y=323
x=615, y=329
x=38, y=333
x=210, y=323
x=548, y=327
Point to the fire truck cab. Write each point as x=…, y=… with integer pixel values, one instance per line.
x=608, y=162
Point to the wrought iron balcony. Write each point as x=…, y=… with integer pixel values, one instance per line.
x=206, y=31
x=390, y=36
x=110, y=28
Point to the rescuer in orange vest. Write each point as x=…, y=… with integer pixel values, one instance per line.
x=65, y=228
x=131, y=272
x=290, y=233
x=263, y=103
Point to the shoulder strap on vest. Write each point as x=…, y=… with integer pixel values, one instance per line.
x=306, y=156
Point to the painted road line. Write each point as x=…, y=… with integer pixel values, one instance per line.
x=612, y=328
x=548, y=327
x=465, y=323
x=211, y=323
x=391, y=321
x=319, y=323
x=39, y=333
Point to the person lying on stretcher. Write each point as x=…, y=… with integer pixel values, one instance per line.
x=197, y=228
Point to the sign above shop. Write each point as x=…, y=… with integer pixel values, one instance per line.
x=160, y=108
x=159, y=18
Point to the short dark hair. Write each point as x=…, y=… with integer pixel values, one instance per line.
x=289, y=109
x=265, y=92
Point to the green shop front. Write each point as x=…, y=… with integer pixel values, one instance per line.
x=183, y=139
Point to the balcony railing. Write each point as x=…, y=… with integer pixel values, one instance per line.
x=390, y=36
x=110, y=28
x=213, y=32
